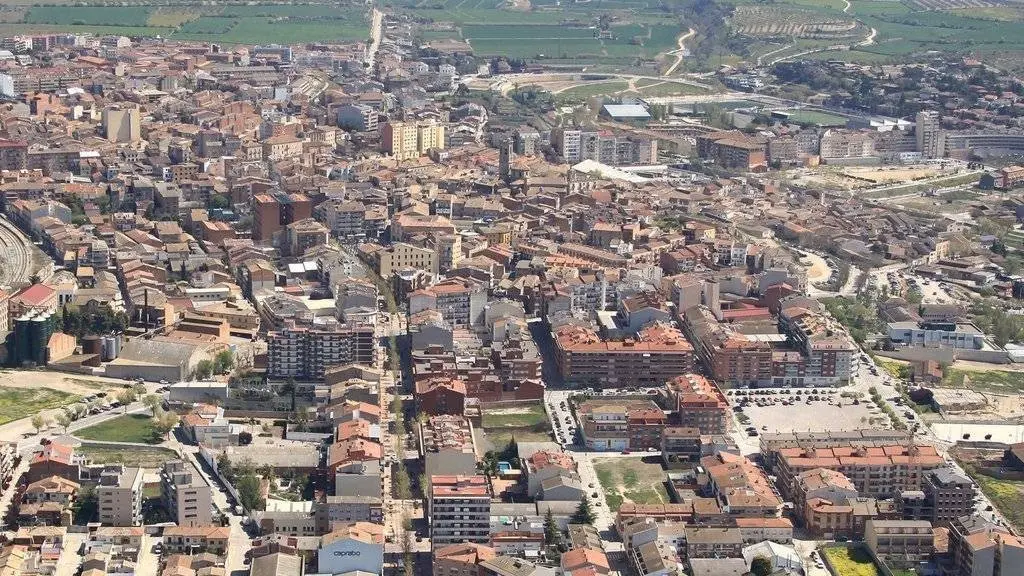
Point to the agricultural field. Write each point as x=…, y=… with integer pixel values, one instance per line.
x=784, y=21
x=250, y=24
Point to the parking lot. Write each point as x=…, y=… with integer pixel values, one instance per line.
x=802, y=410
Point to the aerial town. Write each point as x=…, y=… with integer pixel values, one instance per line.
x=512, y=289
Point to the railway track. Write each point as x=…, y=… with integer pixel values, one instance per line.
x=15, y=254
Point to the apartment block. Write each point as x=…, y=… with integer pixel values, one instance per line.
x=186, y=494
x=305, y=353
x=407, y=140
x=614, y=426
x=730, y=356
x=461, y=301
x=699, y=402
x=400, y=256
x=459, y=510
x=878, y=471
x=120, y=496
x=945, y=495
x=657, y=353
x=980, y=548
x=900, y=542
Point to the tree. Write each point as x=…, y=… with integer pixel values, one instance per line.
x=402, y=481
x=139, y=388
x=761, y=566
x=39, y=422
x=204, y=369
x=165, y=423
x=64, y=420
x=126, y=397
x=551, y=532
x=85, y=507
x=152, y=401
x=244, y=438
x=584, y=514
x=249, y=492
x=223, y=362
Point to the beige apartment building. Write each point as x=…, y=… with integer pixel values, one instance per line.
x=900, y=542
x=120, y=497
x=122, y=124
x=406, y=140
x=401, y=255
x=186, y=494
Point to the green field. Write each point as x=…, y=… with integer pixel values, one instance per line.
x=532, y=416
x=152, y=457
x=127, y=428
x=999, y=381
x=1006, y=495
x=853, y=561
x=17, y=403
x=250, y=24
x=814, y=118
x=634, y=480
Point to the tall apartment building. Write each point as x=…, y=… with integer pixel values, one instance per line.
x=459, y=510
x=730, y=356
x=305, y=353
x=945, y=495
x=121, y=123
x=120, y=497
x=605, y=146
x=699, y=402
x=345, y=218
x=826, y=350
x=931, y=140
x=878, y=471
x=408, y=140
x=186, y=494
x=359, y=117
x=980, y=548
x=461, y=301
x=658, y=353
x=272, y=212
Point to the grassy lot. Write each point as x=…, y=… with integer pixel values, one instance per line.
x=1006, y=495
x=518, y=417
x=636, y=481
x=501, y=437
x=17, y=403
x=854, y=561
x=584, y=91
x=134, y=455
x=524, y=423
x=666, y=89
x=1001, y=381
x=126, y=428
x=812, y=117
